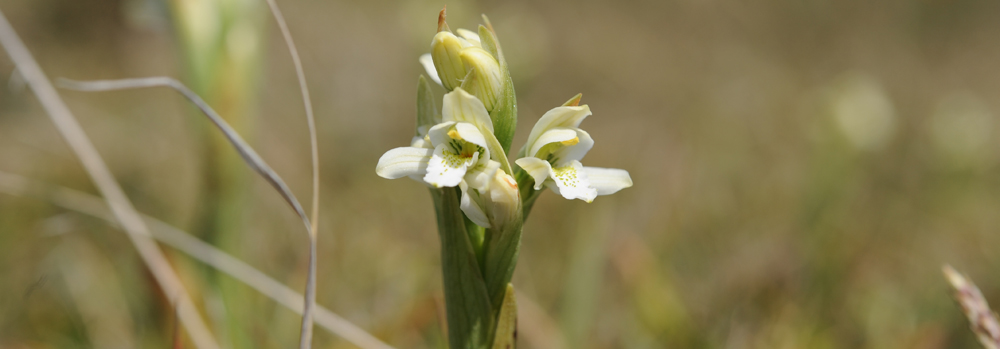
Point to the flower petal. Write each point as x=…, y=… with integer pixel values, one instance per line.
x=439, y=133
x=470, y=36
x=479, y=176
x=557, y=117
x=403, y=161
x=472, y=206
x=470, y=133
x=460, y=106
x=556, y=135
x=539, y=169
x=446, y=169
x=607, y=181
x=574, y=152
x=428, y=62
x=421, y=142
x=572, y=183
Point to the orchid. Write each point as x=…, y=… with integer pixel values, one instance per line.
x=553, y=152
x=452, y=153
x=479, y=199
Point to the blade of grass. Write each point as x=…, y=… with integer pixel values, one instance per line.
x=105, y=182
x=90, y=205
x=305, y=339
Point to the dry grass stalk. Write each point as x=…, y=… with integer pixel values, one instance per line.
x=250, y=157
x=117, y=201
x=90, y=205
x=305, y=339
x=982, y=319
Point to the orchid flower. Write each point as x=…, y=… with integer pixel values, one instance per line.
x=455, y=152
x=553, y=152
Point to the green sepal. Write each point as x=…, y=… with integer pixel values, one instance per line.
x=427, y=111
x=504, y=114
x=467, y=304
x=506, y=333
x=526, y=187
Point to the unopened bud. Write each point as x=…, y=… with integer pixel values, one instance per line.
x=446, y=49
x=486, y=80
x=505, y=200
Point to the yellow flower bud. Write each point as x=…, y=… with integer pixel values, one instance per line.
x=486, y=78
x=446, y=49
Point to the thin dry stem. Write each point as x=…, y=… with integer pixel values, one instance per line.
x=113, y=194
x=249, y=156
x=982, y=320
x=90, y=205
x=305, y=339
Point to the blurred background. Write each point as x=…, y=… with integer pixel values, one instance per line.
x=802, y=170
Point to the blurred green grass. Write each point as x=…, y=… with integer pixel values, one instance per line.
x=801, y=169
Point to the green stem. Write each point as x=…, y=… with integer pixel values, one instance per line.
x=467, y=303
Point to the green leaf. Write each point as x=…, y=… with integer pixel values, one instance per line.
x=427, y=112
x=470, y=316
x=504, y=114
x=506, y=334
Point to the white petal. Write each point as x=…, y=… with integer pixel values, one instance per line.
x=557, y=117
x=460, y=106
x=446, y=169
x=555, y=135
x=572, y=183
x=472, y=206
x=439, y=133
x=421, y=142
x=574, y=152
x=402, y=162
x=466, y=132
x=470, y=133
x=479, y=176
x=428, y=62
x=607, y=181
x=539, y=169
x=470, y=36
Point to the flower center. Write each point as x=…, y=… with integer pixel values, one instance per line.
x=462, y=148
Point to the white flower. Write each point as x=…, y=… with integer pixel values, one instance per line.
x=452, y=153
x=553, y=152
